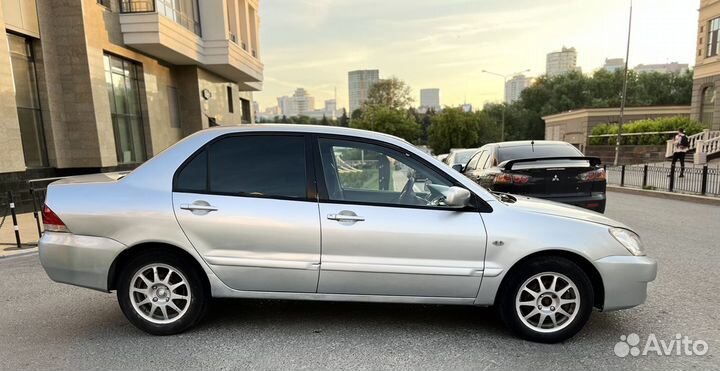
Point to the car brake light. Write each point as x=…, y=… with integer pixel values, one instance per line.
x=511, y=179
x=51, y=221
x=593, y=176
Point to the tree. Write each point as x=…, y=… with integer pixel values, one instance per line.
x=392, y=92
x=520, y=123
x=356, y=114
x=455, y=128
x=324, y=121
x=344, y=121
x=387, y=120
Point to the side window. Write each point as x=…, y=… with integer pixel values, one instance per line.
x=362, y=172
x=258, y=165
x=483, y=159
x=473, y=163
x=193, y=177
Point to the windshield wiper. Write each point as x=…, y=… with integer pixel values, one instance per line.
x=505, y=197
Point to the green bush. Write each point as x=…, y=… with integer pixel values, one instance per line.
x=646, y=126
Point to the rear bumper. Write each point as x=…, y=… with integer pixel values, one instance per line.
x=625, y=279
x=78, y=260
x=596, y=201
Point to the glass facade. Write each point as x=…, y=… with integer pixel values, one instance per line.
x=28, y=101
x=123, y=86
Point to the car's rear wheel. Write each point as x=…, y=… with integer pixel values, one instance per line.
x=547, y=300
x=161, y=294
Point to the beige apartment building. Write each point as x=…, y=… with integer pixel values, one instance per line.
x=705, y=105
x=98, y=85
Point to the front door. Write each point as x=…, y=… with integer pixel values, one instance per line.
x=244, y=204
x=385, y=229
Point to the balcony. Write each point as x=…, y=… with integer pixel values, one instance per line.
x=170, y=30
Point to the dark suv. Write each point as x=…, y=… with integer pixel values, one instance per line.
x=551, y=170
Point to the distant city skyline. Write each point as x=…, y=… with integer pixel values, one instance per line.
x=447, y=44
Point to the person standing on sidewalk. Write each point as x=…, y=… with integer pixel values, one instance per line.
x=681, y=144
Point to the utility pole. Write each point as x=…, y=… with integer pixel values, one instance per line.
x=504, y=77
x=624, y=91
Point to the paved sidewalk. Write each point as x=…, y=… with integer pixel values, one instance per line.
x=28, y=235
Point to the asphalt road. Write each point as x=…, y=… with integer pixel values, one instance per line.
x=47, y=325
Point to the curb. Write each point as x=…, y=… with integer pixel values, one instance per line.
x=714, y=201
x=30, y=251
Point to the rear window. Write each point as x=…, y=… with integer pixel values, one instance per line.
x=462, y=157
x=542, y=150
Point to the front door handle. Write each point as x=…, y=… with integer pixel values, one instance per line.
x=198, y=207
x=345, y=218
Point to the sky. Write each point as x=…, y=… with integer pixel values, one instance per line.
x=446, y=44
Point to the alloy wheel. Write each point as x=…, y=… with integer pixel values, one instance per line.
x=547, y=302
x=160, y=293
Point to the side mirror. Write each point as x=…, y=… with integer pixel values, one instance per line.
x=458, y=167
x=457, y=197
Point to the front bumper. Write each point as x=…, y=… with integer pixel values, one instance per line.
x=625, y=279
x=78, y=260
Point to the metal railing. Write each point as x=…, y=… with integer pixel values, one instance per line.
x=137, y=6
x=694, y=180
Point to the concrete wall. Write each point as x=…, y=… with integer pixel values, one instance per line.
x=628, y=154
x=12, y=158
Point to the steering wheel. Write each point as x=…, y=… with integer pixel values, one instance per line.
x=407, y=195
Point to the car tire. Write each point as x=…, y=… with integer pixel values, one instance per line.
x=546, y=300
x=156, y=303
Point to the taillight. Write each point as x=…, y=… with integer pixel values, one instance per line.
x=593, y=176
x=504, y=178
x=51, y=221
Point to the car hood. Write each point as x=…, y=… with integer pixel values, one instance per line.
x=540, y=206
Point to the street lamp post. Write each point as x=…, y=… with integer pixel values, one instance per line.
x=624, y=91
x=504, y=77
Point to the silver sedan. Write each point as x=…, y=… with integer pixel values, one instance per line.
x=325, y=213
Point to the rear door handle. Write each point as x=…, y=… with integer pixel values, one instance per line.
x=345, y=218
x=196, y=207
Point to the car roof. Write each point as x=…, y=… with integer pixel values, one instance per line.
x=320, y=129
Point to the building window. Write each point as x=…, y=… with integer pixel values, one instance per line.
x=173, y=107
x=245, y=111
x=713, y=40
x=231, y=109
x=707, y=107
x=27, y=101
x=122, y=78
x=105, y=3
x=183, y=12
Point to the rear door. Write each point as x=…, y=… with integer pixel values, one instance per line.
x=247, y=204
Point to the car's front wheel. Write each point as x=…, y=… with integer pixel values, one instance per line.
x=161, y=294
x=547, y=300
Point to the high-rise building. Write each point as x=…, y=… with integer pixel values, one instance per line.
x=674, y=67
x=430, y=99
x=614, y=64
x=467, y=107
x=301, y=103
x=515, y=86
x=94, y=85
x=706, y=75
x=359, y=83
x=561, y=62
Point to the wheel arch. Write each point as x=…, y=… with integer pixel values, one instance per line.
x=582, y=262
x=126, y=255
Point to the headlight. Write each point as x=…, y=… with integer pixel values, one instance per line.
x=630, y=240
